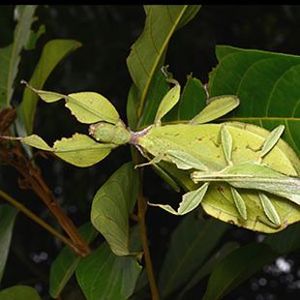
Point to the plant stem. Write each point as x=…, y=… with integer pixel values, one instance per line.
x=142, y=208
x=37, y=220
x=32, y=179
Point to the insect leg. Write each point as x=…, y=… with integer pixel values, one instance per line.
x=154, y=160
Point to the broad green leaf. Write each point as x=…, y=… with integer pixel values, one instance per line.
x=242, y=263
x=267, y=84
x=167, y=103
x=157, y=90
x=208, y=266
x=148, y=52
x=192, y=100
x=79, y=150
x=285, y=241
x=112, y=205
x=53, y=52
x=65, y=264
x=19, y=292
x=10, y=56
x=34, y=36
x=191, y=244
x=7, y=220
x=236, y=268
x=131, y=107
x=216, y=108
x=103, y=275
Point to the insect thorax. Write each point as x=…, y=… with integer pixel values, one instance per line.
x=110, y=133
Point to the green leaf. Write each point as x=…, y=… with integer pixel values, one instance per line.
x=242, y=263
x=208, y=266
x=267, y=84
x=157, y=90
x=112, y=205
x=103, y=275
x=148, y=52
x=190, y=245
x=285, y=241
x=65, y=264
x=19, y=292
x=10, y=56
x=236, y=268
x=79, y=150
x=192, y=100
x=131, y=107
x=7, y=220
x=53, y=52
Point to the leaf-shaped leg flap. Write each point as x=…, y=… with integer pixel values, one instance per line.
x=269, y=209
x=189, y=202
x=271, y=140
x=239, y=203
x=216, y=108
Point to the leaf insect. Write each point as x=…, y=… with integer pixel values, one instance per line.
x=262, y=187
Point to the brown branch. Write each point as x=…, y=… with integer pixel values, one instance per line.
x=11, y=153
x=37, y=219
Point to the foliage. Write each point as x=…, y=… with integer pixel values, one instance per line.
x=113, y=265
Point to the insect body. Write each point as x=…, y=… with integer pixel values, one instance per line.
x=239, y=173
x=244, y=156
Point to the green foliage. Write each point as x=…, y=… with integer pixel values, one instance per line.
x=7, y=220
x=112, y=205
x=53, y=52
x=10, y=56
x=188, y=252
x=148, y=52
x=267, y=85
x=103, y=275
x=238, y=173
x=19, y=292
x=65, y=264
x=247, y=260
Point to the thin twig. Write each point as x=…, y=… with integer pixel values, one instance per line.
x=142, y=208
x=32, y=179
x=37, y=220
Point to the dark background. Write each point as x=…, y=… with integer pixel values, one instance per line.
x=107, y=33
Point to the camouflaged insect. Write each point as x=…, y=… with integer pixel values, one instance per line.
x=240, y=173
